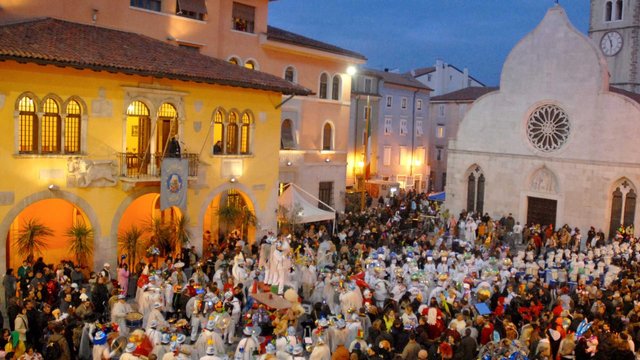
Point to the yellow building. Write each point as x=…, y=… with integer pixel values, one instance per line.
x=314, y=129
x=88, y=114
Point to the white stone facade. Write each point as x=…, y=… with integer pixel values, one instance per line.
x=554, y=64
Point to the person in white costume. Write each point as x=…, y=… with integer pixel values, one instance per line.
x=119, y=312
x=247, y=345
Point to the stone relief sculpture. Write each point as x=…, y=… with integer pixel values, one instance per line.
x=101, y=106
x=543, y=181
x=96, y=173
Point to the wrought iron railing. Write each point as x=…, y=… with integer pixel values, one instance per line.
x=135, y=165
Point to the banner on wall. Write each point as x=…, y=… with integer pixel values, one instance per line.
x=173, y=186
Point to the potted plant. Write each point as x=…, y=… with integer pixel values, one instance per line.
x=160, y=234
x=31, y=238
x=81, y=242
x=229, y=215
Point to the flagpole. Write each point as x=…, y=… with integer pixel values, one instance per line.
x=367, y=159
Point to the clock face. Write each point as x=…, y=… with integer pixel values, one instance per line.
x=611, y=43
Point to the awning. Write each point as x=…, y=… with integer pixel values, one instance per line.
x=439, y=196
x=307, y=212
x=196, y=6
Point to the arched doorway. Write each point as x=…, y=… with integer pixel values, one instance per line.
x=60, y=231
x=145, y=231
x=230, y=211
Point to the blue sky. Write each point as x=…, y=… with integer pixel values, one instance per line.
x=408, y=34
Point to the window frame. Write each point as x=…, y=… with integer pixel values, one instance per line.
x=389, y=101
x=323, y=91
x=327, y=141
x=146, y=5
x=404, y=127
x=388, y=125
x=293, y=74
x=336, y=87
x=419, y=104
x=240, y=22
x=403, y=102
x=440, y=131
x=386, y=156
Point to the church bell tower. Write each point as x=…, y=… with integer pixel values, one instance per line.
x=614, y=27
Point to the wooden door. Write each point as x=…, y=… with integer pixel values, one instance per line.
x=541, y=211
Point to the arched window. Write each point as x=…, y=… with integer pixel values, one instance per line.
x=167, y=126
x=623, y=206
x=28, y=124
x=327, y=136
x=138, y=134
x=72, y=124
x=286, y=135
x=232, y=134
x=51, y=123
x=245, y=133
x=475, y=190
x=234, y=60
x=250, y=64
x=619, y=9
x=324, y=79
x=290, y=74
x=335, y=87
x=608, y=11
x=218, y=132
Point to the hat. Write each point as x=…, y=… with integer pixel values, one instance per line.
x=84, y=297
x=106, y=265
x=211, y=325
x=271, y=349
x=341, y=324
x=295, y=349
x=228, y=295
x=211, y=350
x=122, y=296
x=165, y=339
x=157, y=305
x=291, y=331
x=323, y=322
x=178, y=265
x=131, y=347
x=74, y=285
x=248, y=331
x=153, y=324
x=181, y=338
x=100, y=338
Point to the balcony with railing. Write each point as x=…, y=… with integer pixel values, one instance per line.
x=146, y=167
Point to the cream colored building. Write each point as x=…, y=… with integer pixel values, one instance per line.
x=552, y=145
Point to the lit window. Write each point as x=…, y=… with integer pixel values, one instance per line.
x=218, y=132
x=72, y=128
x=440, y=131
x=245, y=131
x=234, y=61
x=51, y=122
x=154, y=5
x=324, y=78
x=28, y=123
x=404, y=156
x=243, y=17
x=290, y=74
x=335, y=88
x=250, y=64
x=232, y=134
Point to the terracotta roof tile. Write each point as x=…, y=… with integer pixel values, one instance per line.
x=398, y=79
x=63, y=43
x=277, y=34
x=467, y=94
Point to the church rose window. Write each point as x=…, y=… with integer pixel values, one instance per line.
x=548, y=128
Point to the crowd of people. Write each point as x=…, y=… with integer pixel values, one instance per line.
x=401, y=280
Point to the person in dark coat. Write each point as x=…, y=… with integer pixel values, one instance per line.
x=100, y=296
x=467, y=347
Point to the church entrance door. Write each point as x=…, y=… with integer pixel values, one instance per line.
x=541, y=211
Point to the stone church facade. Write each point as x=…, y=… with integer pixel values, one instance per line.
x=554, y=144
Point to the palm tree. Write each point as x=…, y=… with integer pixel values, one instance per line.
x=160, y=234
x=81, y=238
x=31, y=237
x=229, y=215
x=181, y=233
x=131, y=244
x=247, y=218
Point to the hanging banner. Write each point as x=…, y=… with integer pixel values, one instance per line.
x=173, y=186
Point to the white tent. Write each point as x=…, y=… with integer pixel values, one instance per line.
x=292, y=198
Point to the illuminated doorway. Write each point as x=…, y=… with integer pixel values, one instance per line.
x=229, y=211
x=56, y=217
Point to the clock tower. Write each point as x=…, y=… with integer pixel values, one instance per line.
x=615, y=28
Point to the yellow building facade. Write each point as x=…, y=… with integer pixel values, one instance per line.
x=70, y=139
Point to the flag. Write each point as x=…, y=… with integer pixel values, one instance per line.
x=173, y=183
x=367, y=166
